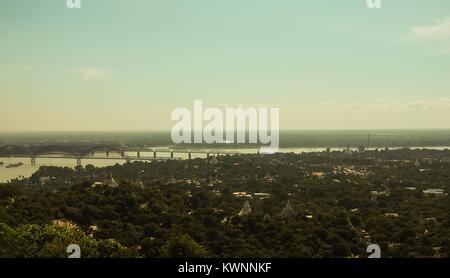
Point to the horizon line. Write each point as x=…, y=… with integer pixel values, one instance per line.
x=281, y=130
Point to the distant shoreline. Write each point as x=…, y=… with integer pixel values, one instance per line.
x=376, y=138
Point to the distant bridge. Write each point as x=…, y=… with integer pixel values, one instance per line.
x=67, y=152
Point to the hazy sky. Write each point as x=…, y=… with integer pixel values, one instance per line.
x=125, y=64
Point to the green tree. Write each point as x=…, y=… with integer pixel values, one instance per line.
x=183, y=246
x=48, y=241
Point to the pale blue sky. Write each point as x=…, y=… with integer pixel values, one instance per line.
x=124, y=65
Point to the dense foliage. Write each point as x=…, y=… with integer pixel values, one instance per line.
x=188, y=209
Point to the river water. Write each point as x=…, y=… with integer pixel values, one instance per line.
x=27, y=169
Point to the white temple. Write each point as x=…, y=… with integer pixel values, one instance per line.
x=246, y=210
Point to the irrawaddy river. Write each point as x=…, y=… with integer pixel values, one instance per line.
x=27, y=169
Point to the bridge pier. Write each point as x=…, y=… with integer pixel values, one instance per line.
x=79, y=161
x=190, y=155
x=107, y=153
x=33, y=160
x=207, y=155
x=122, y=153
x=138, y=154
x=171, y=154
x=154, y=154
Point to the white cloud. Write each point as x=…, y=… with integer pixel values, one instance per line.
x=384, y=114
x=384, y=105
x=26, y=68
x=442, y=51
x=16, y=69
x=440, y=29
x=327, y=104
x=441, y=104
x=353, y=106
x=418, y=105
x=89, y=73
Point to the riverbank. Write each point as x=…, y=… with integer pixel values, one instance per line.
x=26, y=168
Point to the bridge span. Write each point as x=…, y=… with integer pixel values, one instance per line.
x=125, y=157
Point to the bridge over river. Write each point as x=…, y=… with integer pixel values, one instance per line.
x=121, y=153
